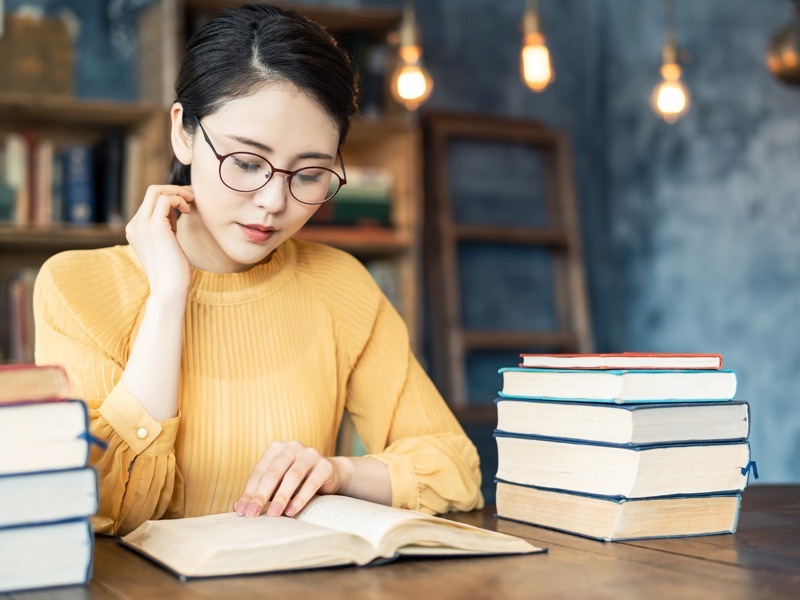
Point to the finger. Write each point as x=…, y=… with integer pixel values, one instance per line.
x=153, y=193
x=262, y=483
x=319, y=475
x=292, y=480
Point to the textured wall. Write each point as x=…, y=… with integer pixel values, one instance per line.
x=692, y=231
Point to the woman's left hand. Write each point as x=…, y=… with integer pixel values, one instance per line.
x=287, y=476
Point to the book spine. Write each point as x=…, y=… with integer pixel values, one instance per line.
x=78, y=184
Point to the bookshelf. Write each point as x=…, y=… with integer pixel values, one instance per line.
x=390, y=140
x=67, y=120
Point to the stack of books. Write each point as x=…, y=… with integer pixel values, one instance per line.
x=47, y=491
x=622, y=446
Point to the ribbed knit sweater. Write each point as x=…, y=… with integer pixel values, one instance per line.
x=277, y=352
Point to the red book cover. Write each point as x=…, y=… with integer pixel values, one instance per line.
x=623, y=360
x=32, y=383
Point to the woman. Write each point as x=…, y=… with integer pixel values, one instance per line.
x=216, y=353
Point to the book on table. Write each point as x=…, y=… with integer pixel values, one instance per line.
x=636, y=424
x=329, y=531
x=623, y=360
x=623, y=471
x=43, y=436
x=612, y=519
x=47, y=497
x=618, y=385
x=26, y=383
x=46, y=555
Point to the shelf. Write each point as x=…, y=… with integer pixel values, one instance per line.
x=59, y=237
x=19, y=108
x=361, y=240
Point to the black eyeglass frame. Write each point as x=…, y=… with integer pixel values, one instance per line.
x=273, y=169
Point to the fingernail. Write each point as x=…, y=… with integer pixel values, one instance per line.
x=252, y=510
x=274, y=509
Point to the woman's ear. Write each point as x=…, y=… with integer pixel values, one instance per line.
x=181, y=139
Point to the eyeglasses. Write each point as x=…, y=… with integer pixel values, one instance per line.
x=248, y=172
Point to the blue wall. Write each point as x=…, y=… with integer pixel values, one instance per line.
x=692, y=231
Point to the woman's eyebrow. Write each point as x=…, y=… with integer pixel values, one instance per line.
x=269, y=150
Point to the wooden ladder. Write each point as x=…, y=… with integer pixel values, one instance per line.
x=450, y=342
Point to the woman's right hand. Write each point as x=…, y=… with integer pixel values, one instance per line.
x=151, y=233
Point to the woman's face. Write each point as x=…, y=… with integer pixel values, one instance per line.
x=229, y=231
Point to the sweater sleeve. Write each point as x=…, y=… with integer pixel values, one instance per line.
x=78, y=325
x=404, y=422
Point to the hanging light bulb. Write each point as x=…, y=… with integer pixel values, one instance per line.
x=411, y=82
x=670, y=98
x=537, y=70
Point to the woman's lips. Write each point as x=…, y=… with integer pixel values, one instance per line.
x=257, y=233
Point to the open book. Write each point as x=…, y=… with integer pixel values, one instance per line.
x=329, y=531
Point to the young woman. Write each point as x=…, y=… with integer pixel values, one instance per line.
x=216, y=353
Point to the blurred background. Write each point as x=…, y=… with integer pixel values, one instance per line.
x=689, y=231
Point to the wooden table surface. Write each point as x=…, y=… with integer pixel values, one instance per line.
x=762, y=560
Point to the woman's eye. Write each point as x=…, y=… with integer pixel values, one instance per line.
x=251, y=166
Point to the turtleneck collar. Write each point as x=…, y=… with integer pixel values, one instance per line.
x=259, y=281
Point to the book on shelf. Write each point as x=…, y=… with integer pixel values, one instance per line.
x=20, y=316
x=618, y=385
x=32, y=498
x=28, y=382
x=365, y=199
x=15, y=197
x=46, y=555
x=43, y=436
x=612, y=519
x=329, y=531
x=623, y=471
x=625, y=424
x=623, y=361
x=107, y=169
x=79, y=184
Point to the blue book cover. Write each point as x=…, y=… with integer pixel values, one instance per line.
x=602, y=469
x=617, y=386
x=625, y=424
x=79, y=192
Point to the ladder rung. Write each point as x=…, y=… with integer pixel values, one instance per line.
x=556, y=238
x=510, y=340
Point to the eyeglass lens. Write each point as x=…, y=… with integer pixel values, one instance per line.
x=247, y=172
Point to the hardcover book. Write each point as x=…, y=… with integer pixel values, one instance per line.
x=612, y=519
x=43, y=436
x=28, y=382
x=618, y=386
x=28, y=498
x=329, y=531
x=623, y=360
x=43, y=556
x=623, y=471
x=628, y=424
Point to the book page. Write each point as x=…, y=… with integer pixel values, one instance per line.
x=368, y=520
x=227, y=544
x=396, y=531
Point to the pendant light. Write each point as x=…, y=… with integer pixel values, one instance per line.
x=670, y=98
x=411, y=83
x=537, y=69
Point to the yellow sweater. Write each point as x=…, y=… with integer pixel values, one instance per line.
x=278, y=352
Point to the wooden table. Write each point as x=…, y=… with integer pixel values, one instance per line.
x=762, y=560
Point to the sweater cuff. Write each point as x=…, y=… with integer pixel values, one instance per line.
x=405, y=491
x=134, y=424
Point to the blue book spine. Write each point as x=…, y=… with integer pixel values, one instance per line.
x=79, y=202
